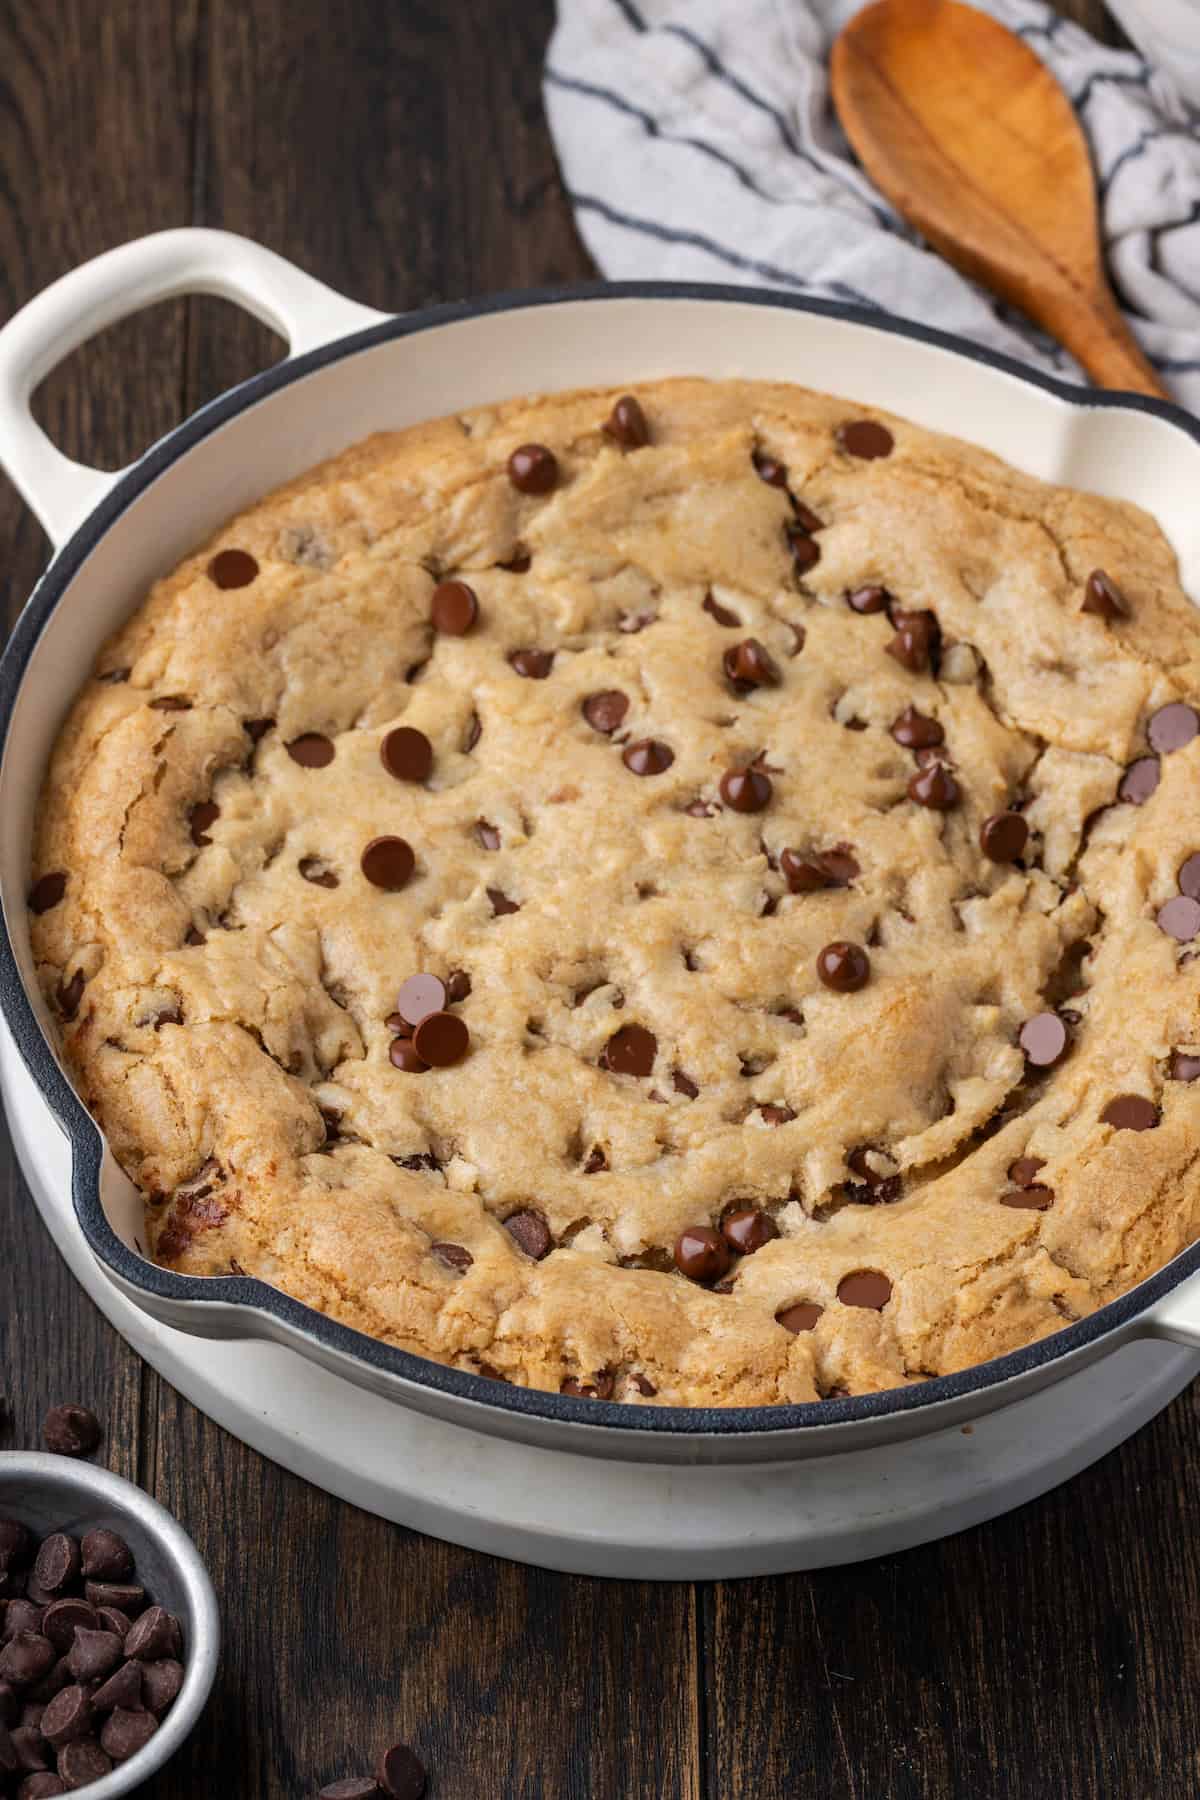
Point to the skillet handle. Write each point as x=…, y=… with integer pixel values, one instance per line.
x=1176, y=1317
x=77, y=306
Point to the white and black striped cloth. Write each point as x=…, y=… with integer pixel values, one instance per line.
x=698, y=142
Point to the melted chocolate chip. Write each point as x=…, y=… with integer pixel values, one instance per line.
x=1003, y=837
x=1024, y=1172
x=649, y=756
x=257, y=729
x=313, y=869
x=535, y=665
x=1130, y=1112
x=533, y=469
x=806, y=518
x=770, y=1114
x=631, y=1051
x=806, y=552
x=1183, y=1066
x=1043, y=1038
x=867, y=599
x=844, y=967
x=406, y=754
x=1189, y=876
x=232, y=569
x=1034, y=1198
x=1139, y=781
x=530, y=1231
x=472, y=734
x=605, y=711
x=801, y=1317
x=458, y=986
x=747, y=1229
x=819, y=869
x=769, y=469
x=746, y=790
x=453, y=608
x=452, y=1256
x=312, y=750
x=206, y=813
x=721, y=614
x=748, y=665
x=47, y=891
x=501, y=904
x=915, y=643
x=626, y=424
x=916, y=731
x=1103, y=597
x=701, y=1253
x=865, y=1287
x=1172, y=727
x=70, y=993
x=388, y=863
x=487, y=835
x=865, y=438
x=683, y=1084
x=934, y=786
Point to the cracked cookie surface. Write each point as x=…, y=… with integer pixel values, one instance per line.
x=801, y=835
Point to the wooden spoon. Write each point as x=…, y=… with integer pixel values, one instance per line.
x=972, y=139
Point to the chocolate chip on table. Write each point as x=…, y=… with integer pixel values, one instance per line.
x=844, y=967
x=1003, y=837
x=161, y=1682
x=631, y=1051
x=232, y=569
x=406, y=754
x=1183, y=1066
x=769, y=469
x=47, y=891
x=127, y=1732
x=746, y=790
x=126, y=1596
x=1033, y=1198
x=865, y=1287
x=871, y=599
x=626, y=424
x=720, y=613
x=605, y=711
x=1172, y=727
x=701, y=1253
x=125, y=1686
x=419, y=996
x=649, y=756
x=354, y=1787
x=865, y=438
x=934, y=786
x=750, y=665
x=916, y=731
x=1043, y=1038
x=69, y=1715
x=501, y=903
x=453, y=608
x=1179, y=917
x=452, y=1256
x=1130, y=1112
x=819, y=869
x=801, y=1317
x=533, y=469
x=441, y=1040
x=312, y=750
x=26, y=1658
x=806, y=552
x=916, y=639
x=1139, y=781
x=535, y=665
x=1102, y=596
x=530, y=1231
x=388, y=863
x=748, y=1229
x=83, y=1762
x=401, y=1775
x=56, y=1565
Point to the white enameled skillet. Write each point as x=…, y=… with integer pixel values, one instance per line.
x=351, y=371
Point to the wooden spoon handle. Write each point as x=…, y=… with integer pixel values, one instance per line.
x=1099, y=338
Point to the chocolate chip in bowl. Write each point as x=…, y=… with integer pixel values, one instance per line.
x=92, y=1698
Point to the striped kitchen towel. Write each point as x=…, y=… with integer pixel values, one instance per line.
x=698, y=142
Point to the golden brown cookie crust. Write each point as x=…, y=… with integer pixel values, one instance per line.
x=228, y=979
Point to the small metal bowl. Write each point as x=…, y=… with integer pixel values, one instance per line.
x=55, y=1493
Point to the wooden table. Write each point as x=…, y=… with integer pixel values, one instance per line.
x=399, y=151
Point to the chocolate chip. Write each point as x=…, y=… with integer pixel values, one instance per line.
x=535, y=665
x=126, y=1733
x=1003, y=837
x=701, y=809
x=631, y=1051
x=232, y=569
x=23, y=1615
x=1189, y=876
x=606, y=710
x=820, y=869
x=419, y=996
x=453, y=608
x=124, y=1687
x=152, y=1635
x=683, y=1084
x=458, y=986
x=442, y=1039
x=1034, y=1198
x=400, y=1774
x=867, y=599
x=1043, y=1038
x=29, y=1750
x=1179, y=918
x=407, y=754
x=312, y=750
x=56, y=1565
x=649, y=756
x=530, y=1231
x=314, y=869
x=934, y=786
x=1139, y=781
x=844, y=967
x=1024, y=1172
x=630, y=622
x=111, y=1619
x=872, y=1187
x=1183, y=1066
x=801, y=1317
x=388, y=863
x=748, y=665
x=627, y=424
x=596, y=1161
x=70, y=993
x=161, y=1682
x=769, y=469
x=916, y=731
x=806, y=552
x=865, y=1287
x=193, y=936
x=748, y=1229
x=775, y=1115
x=1130, y=1112
x=68, y=1716
x=171, y=703
x=354, y=1787
x=472, y=734
x=501, y=904
x=533, y=469
x=59, y=1620
x=125, y=1596
x=865, y=438
x=746, y=790
x=915, y=643
x=701, y=1253
x=721, y=614
x=452, y=1256
x=806, y=518
x=202, y=815
x=600, y=1387
x=115, y=675
x=10, y=1706
x=94, y=1654
x=82, y=1763
x=25, y=1658
x=1171, y=727
x=47, y=891
x=1103, y=597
